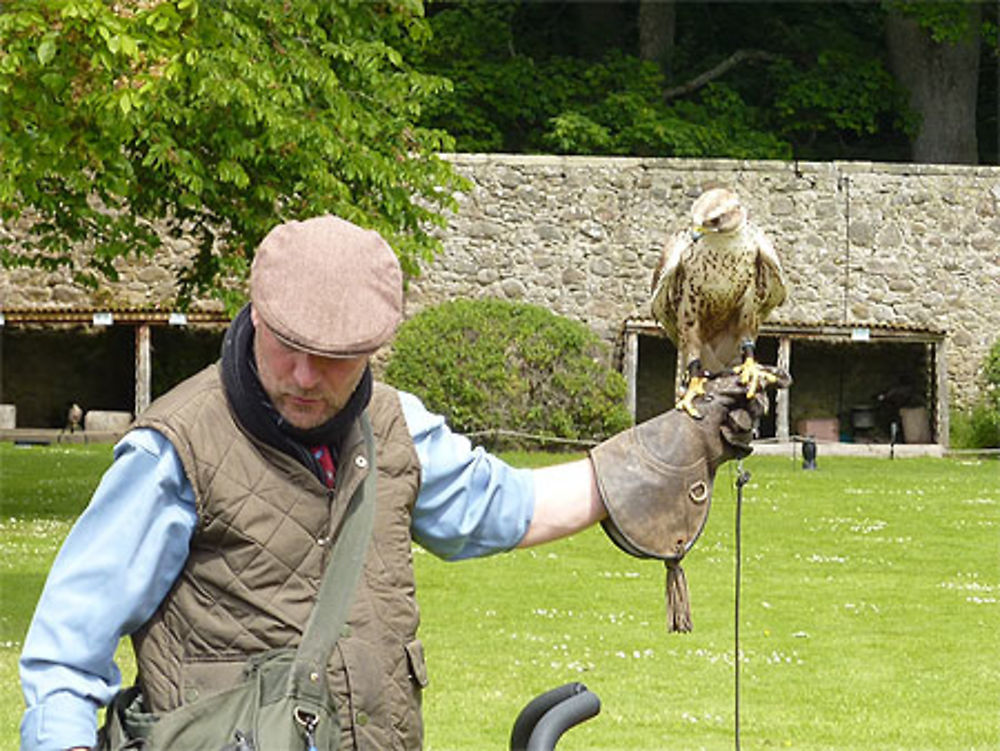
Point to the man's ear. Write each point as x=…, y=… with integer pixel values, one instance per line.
x=253, y=316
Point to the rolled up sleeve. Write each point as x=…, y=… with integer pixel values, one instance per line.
x=471, y=503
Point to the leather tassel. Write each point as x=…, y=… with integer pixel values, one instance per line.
x=678, y=604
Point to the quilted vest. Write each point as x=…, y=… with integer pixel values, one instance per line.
x=257, y=557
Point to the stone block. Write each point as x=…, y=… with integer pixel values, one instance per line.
x=98, y=420
x=8, y=416
x=820, y=428
x=916, y=426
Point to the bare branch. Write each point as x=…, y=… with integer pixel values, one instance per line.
x=719, y=70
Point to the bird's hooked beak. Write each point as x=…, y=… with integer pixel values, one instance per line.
x=696, y=233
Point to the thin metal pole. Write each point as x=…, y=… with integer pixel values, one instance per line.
x=742, y=478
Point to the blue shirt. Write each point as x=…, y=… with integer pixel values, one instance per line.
x=129, y=545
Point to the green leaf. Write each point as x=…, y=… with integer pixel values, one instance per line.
x=46, y=51
x=129, y=46
x=55, y=82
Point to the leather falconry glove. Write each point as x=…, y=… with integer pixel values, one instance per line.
x=656, y=478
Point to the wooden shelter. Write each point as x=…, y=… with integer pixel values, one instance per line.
x=850, y=380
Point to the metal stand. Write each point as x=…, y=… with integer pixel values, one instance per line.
x=742, y=478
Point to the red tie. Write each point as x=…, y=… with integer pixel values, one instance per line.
x=322, y=455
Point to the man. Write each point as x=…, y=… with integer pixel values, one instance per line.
x=207, y=537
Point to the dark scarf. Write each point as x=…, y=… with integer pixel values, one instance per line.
x=258, y=416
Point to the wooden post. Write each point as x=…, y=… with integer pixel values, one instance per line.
x=143, y=368
x=943, y=422
x=630, y=369
x=781, y=400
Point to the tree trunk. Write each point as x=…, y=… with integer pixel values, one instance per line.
x=942, y=80
x=657, y=26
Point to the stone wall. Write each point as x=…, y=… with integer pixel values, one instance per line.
x=141, y=284
x=861, y=243
x=896, y=245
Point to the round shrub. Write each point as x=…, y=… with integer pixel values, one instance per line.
x=492, y=364
x=979, y=426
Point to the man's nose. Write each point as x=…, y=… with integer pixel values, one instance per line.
x=305, y=371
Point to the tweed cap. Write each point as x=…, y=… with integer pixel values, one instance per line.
x=327, y=286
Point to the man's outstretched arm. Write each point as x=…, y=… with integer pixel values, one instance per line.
x=566, y=501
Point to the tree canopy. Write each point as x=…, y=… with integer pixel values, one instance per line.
x=761, y=80
x=218, y=118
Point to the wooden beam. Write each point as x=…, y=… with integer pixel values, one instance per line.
x=820, y=331
x=21, y=316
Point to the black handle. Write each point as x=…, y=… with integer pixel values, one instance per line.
x=546, y=717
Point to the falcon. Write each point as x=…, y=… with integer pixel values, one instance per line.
x=715, y=284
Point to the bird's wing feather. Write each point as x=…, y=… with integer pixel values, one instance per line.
x=667, y=283
x=771, y=290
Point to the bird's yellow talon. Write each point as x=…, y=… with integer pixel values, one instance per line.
x=695, y=388
x=753, y=376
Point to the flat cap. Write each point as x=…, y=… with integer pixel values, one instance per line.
x=327, y=286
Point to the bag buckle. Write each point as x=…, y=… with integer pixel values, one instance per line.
x=308, y=720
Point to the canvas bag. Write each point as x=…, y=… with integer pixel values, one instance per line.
x=282, y=702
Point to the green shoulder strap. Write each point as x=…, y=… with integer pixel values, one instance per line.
x=343, y=571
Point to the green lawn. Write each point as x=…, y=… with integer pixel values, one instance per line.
x=870, y=613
